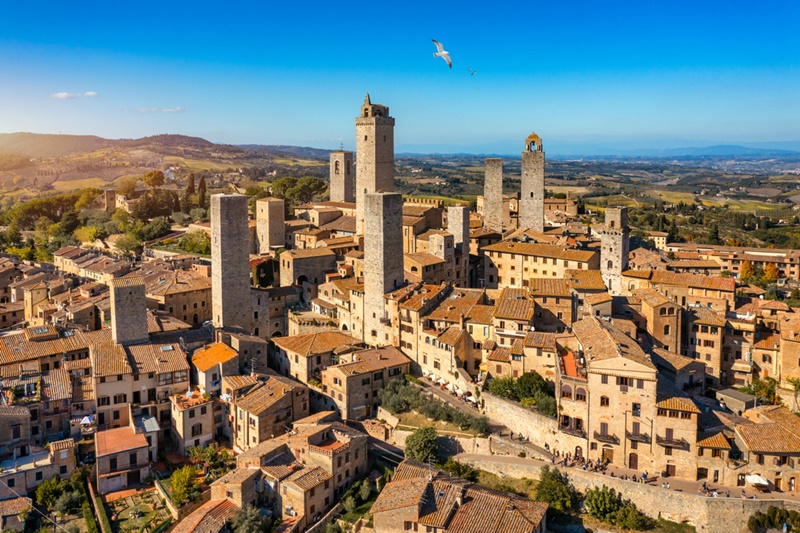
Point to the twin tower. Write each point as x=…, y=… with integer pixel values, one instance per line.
x=374, y=170
x=531, y=201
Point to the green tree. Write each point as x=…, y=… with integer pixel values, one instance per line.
x=333, y=527
x=746, y=271
x=128, y=244
x=422, y=445
x=349, y=504
x=198, y=214
x=365, y=491
x=127, y=187
x=713, y=236
x=554, y=489
x=154, y=179
x=68, y=501
x=464, y=471
x=529, y=384
x=504, y=387
x=184, y=485
x=190, y=186
x=764, y=389
x=629, y=517
x=48, y=492
x=249, y=520
x=201, y=192
x=88, y=233
x=602, y=503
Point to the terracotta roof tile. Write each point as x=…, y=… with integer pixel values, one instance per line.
x=540, y=250
x=768, y=438
x=677, y=403
x=209, y=356
x=310, y=344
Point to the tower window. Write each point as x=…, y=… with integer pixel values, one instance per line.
x=336, y=167
x=365, y=137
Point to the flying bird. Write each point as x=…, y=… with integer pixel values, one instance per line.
x=472, y=72
x=444, y=54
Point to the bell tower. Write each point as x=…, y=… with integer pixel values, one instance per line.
x=374, y=155
x=531, y=201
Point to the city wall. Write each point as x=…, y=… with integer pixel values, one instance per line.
x=708, y=515
x=539, y=429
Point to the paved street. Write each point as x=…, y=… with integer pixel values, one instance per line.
x=689, y=487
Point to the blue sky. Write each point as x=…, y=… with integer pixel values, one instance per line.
x=631, y=73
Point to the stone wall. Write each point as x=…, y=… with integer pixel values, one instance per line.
x=539, y=429
x=708, y=515
x=449, y=445
x=493, y=194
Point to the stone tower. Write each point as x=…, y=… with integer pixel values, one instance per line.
x=614, y=241
x=230, y=261
x=493, y=194
x=458, y=225
x=128, y=311
x=531, y=202
x=270, y=224
x=374, y=155
x=383, y=258
x=343, y=183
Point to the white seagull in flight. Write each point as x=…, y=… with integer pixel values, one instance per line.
x=444, y=54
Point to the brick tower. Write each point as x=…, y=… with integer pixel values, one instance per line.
x=374, y=155
x=343, y=181
x=531, y=202
x=383, y=258
x=614, y=240
x=230, y=261
x=493, y=194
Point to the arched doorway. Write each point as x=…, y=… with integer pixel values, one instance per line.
x=608, y=453
x=633, y=461
x=791, y=484
x=301, y=279
x=578, y=452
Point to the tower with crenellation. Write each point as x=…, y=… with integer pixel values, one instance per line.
x=374, y=155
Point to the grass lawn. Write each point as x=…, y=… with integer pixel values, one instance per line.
x=65, y=186
x=413, y=419
x=300, y=162
x=136, y=511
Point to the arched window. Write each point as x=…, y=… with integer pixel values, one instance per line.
x=666, y=329
x=427, y=340
x=671, y=311
x=580, y=394
x=611, y=225
x=662, y=311
x=566, y=392
x=336, y=167
x=604, y=401
x=610, y=264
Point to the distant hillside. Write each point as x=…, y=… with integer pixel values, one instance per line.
x=298, y=151
x=44, y=145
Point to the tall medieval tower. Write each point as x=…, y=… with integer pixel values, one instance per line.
x=493, y=194
x=230, y=261
x=531, y=202
x=615, y=243
x=383, y=259
x=374, y=155
x=343, y=183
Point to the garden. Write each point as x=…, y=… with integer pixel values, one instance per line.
x=139, y=512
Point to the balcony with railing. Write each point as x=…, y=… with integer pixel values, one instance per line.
x=574, y=431
x=672, y=442
x=605, y=437
x=638, y=437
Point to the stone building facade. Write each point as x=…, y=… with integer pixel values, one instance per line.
x=128, y=311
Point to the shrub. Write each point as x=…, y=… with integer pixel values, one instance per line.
x=49, y=491
x=413, y=379
x=461, y=470
x=504, y=387
x=555, y=490
x=184, y=486
x=365, y=491
x=349, y=504
x=602, y=503
x=422, y=445
x=249, y=520
x=68, y=501
x=88, y=518
x=101, y=511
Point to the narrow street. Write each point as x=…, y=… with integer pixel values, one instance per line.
x=680, y=485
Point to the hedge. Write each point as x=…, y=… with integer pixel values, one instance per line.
x=88, y=517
